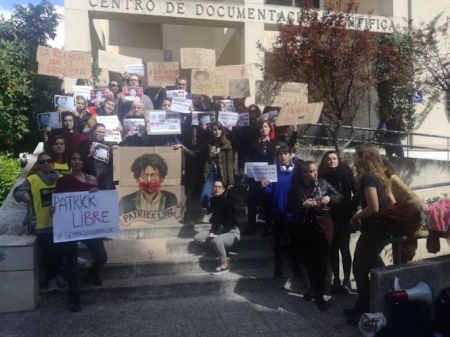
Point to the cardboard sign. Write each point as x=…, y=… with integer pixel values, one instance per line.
x=101, y=152
x=281, y=101
x=132, y=93
x=237, y=71
x=82, y=90
x=99, y=95
x=49, y=119
x=64, y=102
x=195, y=58
x=84, y=215
x=111, y=123
x=249, y=168
x=54, y=62
x=300, y=114
x=162, y=73
x=266, y=91
x=264, y=172
x=228, y=118
x=243, y=119
x=181, y=105
x=209, y=82
x=176, y=93
x=135, y=69
x=239, y=88
x=135, y=251
x=163, y=123
x=115, y=62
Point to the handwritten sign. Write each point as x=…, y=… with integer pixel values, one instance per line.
x=239, y=88
x=300, y=114
x=67, y=63
x=115, y=62
x=139, y=218
x=228, y=118
x=83, y=91
x=237, y=71
x=181, y=105
x=243, y=119
x=219, y=82
x=281, y=101
x=249, y=166
x=264, y=172
x=195, y=58
x=266, y=91
x=84, y=215
x=135, y=69
x=135, y=251
x=162, y=73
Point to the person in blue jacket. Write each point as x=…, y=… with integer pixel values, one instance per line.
x=277, y=192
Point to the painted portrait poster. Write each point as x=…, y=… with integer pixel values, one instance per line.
x=99, y=95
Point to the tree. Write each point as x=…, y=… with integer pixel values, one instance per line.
x=333, y=53
x=23, y=94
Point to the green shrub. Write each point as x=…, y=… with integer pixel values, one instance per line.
x=10, y=169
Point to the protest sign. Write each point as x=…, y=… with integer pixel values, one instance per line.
x=55, y=62
x=195, y=58
x=99, y=95
x=64, y=102
x=280, y=101
x=237, y=71
x=265, y=172
x=219, y=82
x=243, y=119
x=229, y=105
x=181, y=105
x=228, y=118
x=203, y=117
x=82, y=90
x=132, y=93
x=162, y=73
x=101, y=152
x=266, y=91
x=134, y=125
x=49, y=119
x=111, y=123
x=209, y=82
x=270, y=116
x=115, y=62
x=249, y=166
x=300, y=114
x=239, y=88
x=163, y=122
x=135, y=69
x=83, y=215
x=176, y=93
x=135, y=251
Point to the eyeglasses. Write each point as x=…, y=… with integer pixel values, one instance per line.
x=152, y=176
x=100, y=132
x=45, y=161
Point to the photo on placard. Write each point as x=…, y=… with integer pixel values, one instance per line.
x=101, y=152
x=134, y=125
x=64, y=102
x=49, y=119
x=133, y=93
x=99, y=95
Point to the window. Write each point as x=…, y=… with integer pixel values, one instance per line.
x=293, y=3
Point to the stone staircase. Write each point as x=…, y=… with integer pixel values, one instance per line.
x=186, y=269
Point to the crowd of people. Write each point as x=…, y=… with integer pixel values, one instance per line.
x=315, y=206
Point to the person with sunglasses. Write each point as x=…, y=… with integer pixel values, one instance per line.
x=126, y=107
x=37, y=191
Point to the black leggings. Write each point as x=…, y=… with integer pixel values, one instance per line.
x=51, y=254
x=341, y=242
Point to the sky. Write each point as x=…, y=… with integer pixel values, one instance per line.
x=7, y=7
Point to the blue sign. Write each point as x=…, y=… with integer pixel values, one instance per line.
x=418, y=97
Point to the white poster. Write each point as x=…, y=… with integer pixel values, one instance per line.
x=265, y=172
x=82, y=90
x=101, y=152
x=111, y=123
x=181, y=105
x=228, y=118
x=164, y=122
x=135, y=69
x=83, y=215
x=176, y=93
x=249, y=166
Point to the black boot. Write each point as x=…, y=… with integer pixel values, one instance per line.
x=75, y=304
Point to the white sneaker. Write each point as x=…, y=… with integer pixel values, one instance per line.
x=60, y=282
x=81, y=261
x=52, y=286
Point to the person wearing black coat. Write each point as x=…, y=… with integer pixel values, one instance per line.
x=342, y=178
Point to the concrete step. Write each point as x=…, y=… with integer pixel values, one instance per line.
x=204, y=283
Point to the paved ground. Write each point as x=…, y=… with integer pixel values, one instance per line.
x=272, y=313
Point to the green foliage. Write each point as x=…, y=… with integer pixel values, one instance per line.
x=23, y=94
x=10, y=169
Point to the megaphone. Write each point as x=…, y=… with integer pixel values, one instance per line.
x=420, y=292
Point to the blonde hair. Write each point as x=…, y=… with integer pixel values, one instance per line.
x=138, y=103
x=371, y=162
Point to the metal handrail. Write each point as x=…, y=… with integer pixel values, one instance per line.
x=421, y=187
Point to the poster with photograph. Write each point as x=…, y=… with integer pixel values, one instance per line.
x=132, y=93
x=101, y=152
x=229, y=105
x=135, y=69
x=49, y=119
x=163, y=122
x=99, y=95
x=64, y=102
x=270, y=116
x=243, y=119
x=176, y=93
x=181, y=105
x=199, y=118
x=239, y=88
x=111, y=124
x=82, y=90
x=134, y=125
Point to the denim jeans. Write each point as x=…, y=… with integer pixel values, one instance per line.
x=213, y=175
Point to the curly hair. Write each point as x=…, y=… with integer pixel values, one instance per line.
x=323, y=166
x=371, y=162
x=48, y=148
x=154, y=160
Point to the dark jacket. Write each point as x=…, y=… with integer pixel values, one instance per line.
x=222, y=210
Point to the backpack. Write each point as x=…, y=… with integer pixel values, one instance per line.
x=442, y=313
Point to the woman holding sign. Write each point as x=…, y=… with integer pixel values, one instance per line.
x=78, y=181
x=219, y=161
x=135, y=131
